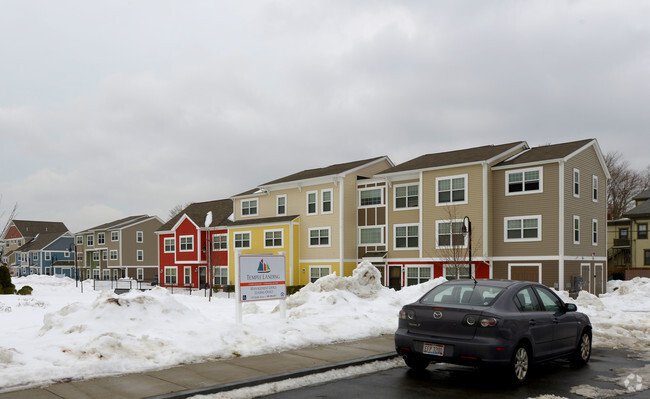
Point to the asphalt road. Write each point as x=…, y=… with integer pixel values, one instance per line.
x=447, y=381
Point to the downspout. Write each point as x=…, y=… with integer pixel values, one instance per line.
x=560, y=263
x=486, y=220
x=421, y=222
x=341, y=220
x=291, y=248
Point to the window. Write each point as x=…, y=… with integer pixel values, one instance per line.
x=139, y=274
x=35, y=256
x=526, y=301
x=113, y=254
x=139, y=236
x=451, y=190
x=249, y=207
x=170, y=276
x=243, y=240
x=220, y=276
x=594, y=232
x=406, y=196
x=624, y=233
x=281, y=205
x=371, y=197
x=319, y=237
x=417, y=274
x=549, y=300
x=272, y=238
x=576, y=183
x=371, y=235
x=220, y=242
x=80, y=257
x=316, y=272
x=186, y=243
x=116, y=274
x=96, y=256
x=104, y=255
x=170, y=245
x=115, y=235
x=449, y=233
x=80, y=240
x=96, y=274
x=326, y=201
x=453, y=272
x=407, y=236
x=312, y=202
x=187, y=275
x=90, y=240
x=101, y=238
x=594, y=188
x=524, y=181
x=107, y=274
x=576, y=229
x=139, y=255
x=646, y=257
x=523, y=228
x=48, y=256
x=642, y=231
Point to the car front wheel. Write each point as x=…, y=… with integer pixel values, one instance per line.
x=520, y=364
x=582, y=353
x=416, y=363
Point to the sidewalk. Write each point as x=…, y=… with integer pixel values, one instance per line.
x=224, y=375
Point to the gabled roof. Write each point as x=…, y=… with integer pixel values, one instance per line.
x=270, y=220
x=40, y=241
x=29, y=228
x=326, y=171
x=118, y=224
x=457, y=157
x=642, y=210
x=549, y=152
x=197, y=212
x=644, y=195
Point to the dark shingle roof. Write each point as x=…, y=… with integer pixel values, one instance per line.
x=40, y=241
x=275, y=219
x=29, y=228
x=326, y=171
x=642, y=210
x=450, y=158
x=546, y=153
x=197, y=212
x=116, y=224
x=644, y=195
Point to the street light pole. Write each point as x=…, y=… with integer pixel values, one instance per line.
x=468, y=230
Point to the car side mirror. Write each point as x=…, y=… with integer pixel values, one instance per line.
x=570, y=307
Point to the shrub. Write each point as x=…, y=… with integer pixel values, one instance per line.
x=26, y=290
x=6, y=288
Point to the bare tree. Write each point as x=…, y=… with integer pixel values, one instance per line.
x=176, y=210
x=624, y=184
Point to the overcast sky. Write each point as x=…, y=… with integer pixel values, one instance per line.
x=117, y=108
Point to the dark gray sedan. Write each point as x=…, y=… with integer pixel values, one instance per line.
x=509, y=324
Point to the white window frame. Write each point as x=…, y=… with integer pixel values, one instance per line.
x=106, y=274
x=240, y=233
x=172, y=247
x=451, y=240
x=382, y=200
x=95, y=256
x=320, y=268
x=249, y=207
x=139, y=255
x=191, y=244
x=96, y=273
x=419, y=277
x=329, y=237
x=523, y=181
x=449, y=265
x=406, y=186
x=308, y=202
x=522, y=218
x=187, y=275
x=594, y=188
x=35, y=256
x=322, y=201
x=277, y=205
x=104, y=255
x=273, y=231
x=139, y=236
x=173, y=275
x=406, y=248
x=218, y=239
x=90, y=240
x=101, y=238
x=594, y=232
x=113, y=254
x=139, y=274
x=217, y=272
x=381, y=235
x=80, y=240
x=115, y=236
x=451, y=201
x=48, y=256
x=576, y=230
x=576, y=183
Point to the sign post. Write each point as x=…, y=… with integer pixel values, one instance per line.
x=260, y=278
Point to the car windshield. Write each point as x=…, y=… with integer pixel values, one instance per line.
x=453, y=294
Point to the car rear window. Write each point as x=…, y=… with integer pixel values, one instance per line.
x=461, y=295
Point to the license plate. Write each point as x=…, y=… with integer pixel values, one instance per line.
x=433, y=349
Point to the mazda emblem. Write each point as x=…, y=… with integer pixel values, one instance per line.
x=437, y=314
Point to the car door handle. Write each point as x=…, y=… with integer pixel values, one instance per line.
x=556, y=320
x=531, y=322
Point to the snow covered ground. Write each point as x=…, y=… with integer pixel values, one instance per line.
x=59, y=333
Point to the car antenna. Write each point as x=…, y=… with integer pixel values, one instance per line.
x=475, y=282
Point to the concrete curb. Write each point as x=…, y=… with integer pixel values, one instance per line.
x=273, y=378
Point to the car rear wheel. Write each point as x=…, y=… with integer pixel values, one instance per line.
x=520, y=364
x=582, y=353
x=416, y=363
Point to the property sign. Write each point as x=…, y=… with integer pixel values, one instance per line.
x=262, y=277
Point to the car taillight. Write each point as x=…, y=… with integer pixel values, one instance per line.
x=476, y=320
x=406, y=314
x=489, y=322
